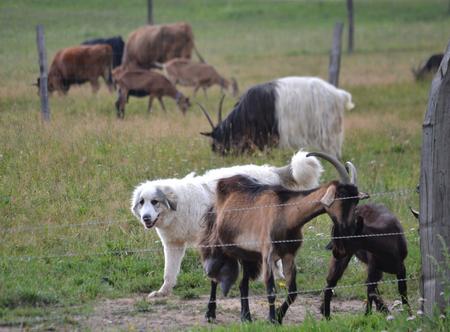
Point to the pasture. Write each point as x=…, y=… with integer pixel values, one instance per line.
x=72, y=255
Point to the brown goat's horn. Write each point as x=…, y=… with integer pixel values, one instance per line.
x=219, y=111
x=207, y=115
x=336, y=163
x=351, y=169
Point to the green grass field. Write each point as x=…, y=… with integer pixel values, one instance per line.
x=68, y=238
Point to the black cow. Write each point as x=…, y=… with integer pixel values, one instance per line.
x=117, y=44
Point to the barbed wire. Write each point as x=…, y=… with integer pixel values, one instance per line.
x=399, y=192
x=126, y=252
x=280, y=297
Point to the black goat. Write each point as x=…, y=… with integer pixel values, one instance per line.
x=381, y=253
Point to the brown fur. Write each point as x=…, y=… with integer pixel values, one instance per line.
x=79, y=64
x=265, y=222
x=198, y=75
x=140, y=83
x=158, y=43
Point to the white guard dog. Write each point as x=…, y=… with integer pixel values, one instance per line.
x=176, y=207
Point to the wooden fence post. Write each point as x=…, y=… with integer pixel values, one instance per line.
x=350, y=25
x=435, y=191
x=43, y=76
x=150, y=12
x=335, y=55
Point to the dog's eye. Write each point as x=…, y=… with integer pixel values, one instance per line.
x=154, y=202
x=141, y=202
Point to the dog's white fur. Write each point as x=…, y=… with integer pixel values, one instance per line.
x=176, y=207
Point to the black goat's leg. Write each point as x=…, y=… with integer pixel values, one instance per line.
x=335, y=272
x=402, y=288
x=373, y=295
x=290, y=273
x=211, y=313
x=243, y=287
x=270, y=288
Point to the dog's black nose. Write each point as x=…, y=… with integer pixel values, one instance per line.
x=146, y=218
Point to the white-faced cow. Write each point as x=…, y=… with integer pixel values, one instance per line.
x=290, y=112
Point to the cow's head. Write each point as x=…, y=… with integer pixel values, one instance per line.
x=221, y=138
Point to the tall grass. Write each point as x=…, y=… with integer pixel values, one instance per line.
x=81, y=167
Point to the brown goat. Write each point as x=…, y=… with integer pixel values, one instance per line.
x=142, y=83
x=268, y=231
x=380, y=254
x=199, y=75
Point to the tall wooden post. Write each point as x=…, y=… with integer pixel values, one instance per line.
x=43, y=76
x=335, y=55
x=150, y=12
x=350, y=25
x=435, y=191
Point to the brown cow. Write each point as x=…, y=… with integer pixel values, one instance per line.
x=158, y=43
x=142, y=83
x=199, y=75
x=80, y=64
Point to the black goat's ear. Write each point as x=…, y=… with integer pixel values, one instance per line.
x=206, y=134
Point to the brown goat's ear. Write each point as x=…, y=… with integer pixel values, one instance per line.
x=206, y=134
x=328, y=198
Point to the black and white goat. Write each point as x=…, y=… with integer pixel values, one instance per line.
x=290, y=112
x=258, y=224
x=380, y=254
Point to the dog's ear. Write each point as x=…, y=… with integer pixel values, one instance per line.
x=168, y=197
x=135, y=201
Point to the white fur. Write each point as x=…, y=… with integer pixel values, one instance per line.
x=310, y=113
x=194, y=195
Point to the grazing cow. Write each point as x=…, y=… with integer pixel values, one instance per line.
x=158, y=43
x=117, y=44
x=429, y=67
x=290, y=112
x=142, y=83
x=80, y=64
x=199, y=75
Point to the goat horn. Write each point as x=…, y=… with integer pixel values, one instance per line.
x=207, y=115
x=414, y=212
x=336, y=163
x=219, y=111
x=351, y=169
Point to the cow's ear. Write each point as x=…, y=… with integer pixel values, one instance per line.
x=206, y=134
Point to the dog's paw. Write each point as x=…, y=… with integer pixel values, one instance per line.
x=156, y=294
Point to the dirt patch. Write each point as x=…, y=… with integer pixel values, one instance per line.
x=174, y=314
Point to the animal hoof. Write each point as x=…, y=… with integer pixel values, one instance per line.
x=210, y=318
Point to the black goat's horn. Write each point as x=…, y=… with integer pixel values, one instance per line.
x=207, y=115
x=336, y=163
x=219, y=111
